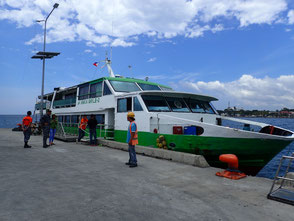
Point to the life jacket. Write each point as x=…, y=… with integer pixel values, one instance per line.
x=27, y=120
x=134, y=141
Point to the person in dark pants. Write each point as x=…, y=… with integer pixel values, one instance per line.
x=45, y=122
x=53, y=126
x=26, y=128
x=132, y=139
x=82, y=127
x=92, y=128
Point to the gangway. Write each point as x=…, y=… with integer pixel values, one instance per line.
x=69, y=132
x=285, y=191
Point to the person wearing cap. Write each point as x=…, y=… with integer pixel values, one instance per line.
x=132, y=139
x=45, y=122
x=26, y=128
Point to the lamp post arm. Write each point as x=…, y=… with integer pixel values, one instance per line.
x=45, y=28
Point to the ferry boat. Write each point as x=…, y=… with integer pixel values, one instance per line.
x=174, y=120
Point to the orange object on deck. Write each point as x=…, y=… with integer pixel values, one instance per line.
x=232, y=172
x=230, y=159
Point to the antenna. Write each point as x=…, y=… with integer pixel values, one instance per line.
x=130, y=67
x=111, y=53
x=111, y=29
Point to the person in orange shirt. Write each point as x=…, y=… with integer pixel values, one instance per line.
x=82, y=127
x=132, y=139
x=26, y=128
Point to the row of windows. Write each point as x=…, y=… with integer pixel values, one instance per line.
x=125, y=104
x=123, y=86
x=75, y=119
x=164, y=104
x=160, y=103
x=93, y=90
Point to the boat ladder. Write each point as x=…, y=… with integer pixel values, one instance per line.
x=285, y=191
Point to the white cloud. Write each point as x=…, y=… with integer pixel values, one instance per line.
x=291, y=17
x=114, y=22
x=87, y=51
x=152, y=59
x=121, y=42
x=248, y=92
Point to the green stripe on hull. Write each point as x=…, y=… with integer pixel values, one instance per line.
x=251, y=152
x=100, y=133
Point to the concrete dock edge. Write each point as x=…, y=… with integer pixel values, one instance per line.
x=185, y=158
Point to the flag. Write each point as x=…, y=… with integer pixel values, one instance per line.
x=96, y=64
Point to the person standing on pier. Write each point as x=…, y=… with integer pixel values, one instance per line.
x=26, y=128
x=45, y=122
x=132, y=139
x=53, y=126
x=92, y=129
x=82, y=127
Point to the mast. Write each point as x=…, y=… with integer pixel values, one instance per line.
x=108, y=64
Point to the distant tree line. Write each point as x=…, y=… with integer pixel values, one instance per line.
x=235, y=112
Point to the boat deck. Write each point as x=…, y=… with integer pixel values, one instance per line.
x=72, y=181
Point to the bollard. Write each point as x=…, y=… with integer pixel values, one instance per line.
x=232, y=172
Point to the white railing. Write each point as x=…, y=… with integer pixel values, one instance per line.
x=70, y=130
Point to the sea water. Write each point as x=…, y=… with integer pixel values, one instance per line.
x=11, y=121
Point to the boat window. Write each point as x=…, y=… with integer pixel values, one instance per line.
x=155, y=103
x=84, y=92
x=74, y=119
x=166, y=88
x=60, y=119
x=137, y=105
x=177, y=104
x=70, y=96
x=123, y=86
x=96, y=90
x=106, y=90
x=66, y=120
x=199, y=106
x=149, y=87
x=100, y=118
x=124, y=104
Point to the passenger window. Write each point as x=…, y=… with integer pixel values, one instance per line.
x=106, y=90
x=96, y=90
x=84, y=92
x=124, y=104
x=60, y=119
x=137, y=105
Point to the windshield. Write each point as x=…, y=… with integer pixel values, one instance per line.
x=166, y=88
x=177, y=104
x=123, y=86
x=199, y=106
x=155, y=103
x=149, y=87
x=160, y=103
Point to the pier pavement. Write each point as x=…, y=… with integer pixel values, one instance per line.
x=72, y=181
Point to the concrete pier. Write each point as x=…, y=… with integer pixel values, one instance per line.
x=77, y=182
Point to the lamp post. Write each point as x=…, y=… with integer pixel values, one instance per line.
x=43, y=56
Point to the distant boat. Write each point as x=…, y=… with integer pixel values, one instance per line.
x=188, y=122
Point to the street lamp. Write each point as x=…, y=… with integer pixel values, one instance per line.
x=43, y=56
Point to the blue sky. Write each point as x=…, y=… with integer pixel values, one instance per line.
x=238, y=51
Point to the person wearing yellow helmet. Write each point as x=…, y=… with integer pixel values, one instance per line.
x=132, y=139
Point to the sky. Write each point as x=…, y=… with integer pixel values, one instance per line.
x=239, y=51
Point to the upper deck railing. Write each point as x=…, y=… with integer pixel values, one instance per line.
x=64, y=103
x=46, y=105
